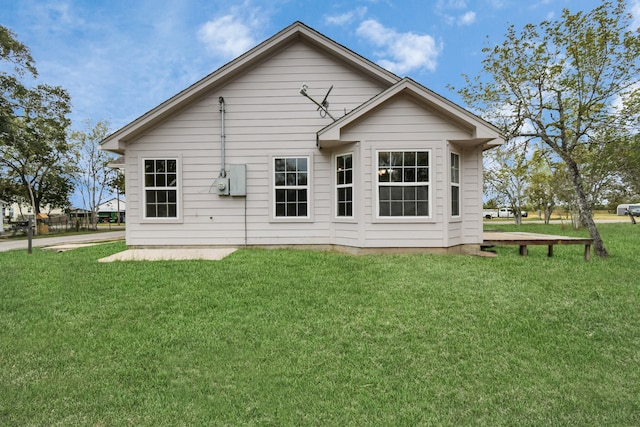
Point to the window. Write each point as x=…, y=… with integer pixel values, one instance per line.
x=291, y=186
x=344, y=185
x=403, y=183
x=161, y=188
x=455, y=184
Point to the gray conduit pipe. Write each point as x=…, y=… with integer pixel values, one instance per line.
x=223, y=172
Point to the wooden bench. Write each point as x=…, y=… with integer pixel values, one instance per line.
x=523, y=240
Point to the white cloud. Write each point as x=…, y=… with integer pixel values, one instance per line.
x=451, y=4
x=347, y=17
x=451, y=12
x=51, y=20
x=401, y=52
x=634, y=8
x=227, y=35
x=541, y=3
x=497, y=4
x=467, y=19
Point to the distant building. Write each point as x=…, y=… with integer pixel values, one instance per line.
x=3, y=214
x=22, y=211
x=108, y=211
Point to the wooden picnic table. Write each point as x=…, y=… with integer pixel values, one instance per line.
x=523, y=240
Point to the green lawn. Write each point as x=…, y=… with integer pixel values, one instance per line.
x=311, y=338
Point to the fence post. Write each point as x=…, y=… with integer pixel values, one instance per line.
x=30, y=237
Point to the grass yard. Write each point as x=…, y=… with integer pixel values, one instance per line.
x=311, y=338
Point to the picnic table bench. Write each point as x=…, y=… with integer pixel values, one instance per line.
x=523, y=240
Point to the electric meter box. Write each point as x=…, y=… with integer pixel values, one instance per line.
x=237, y=180
x=221, y=186
x=234, y=184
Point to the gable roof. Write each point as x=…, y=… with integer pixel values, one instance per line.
x=481, y=131
x=295, y=32
x=111, y=205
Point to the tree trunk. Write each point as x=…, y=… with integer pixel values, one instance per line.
x=94, y=219
x=547, y=214
x=586, y=216
x=517, y=217
x=34, y=207
x=576, y=218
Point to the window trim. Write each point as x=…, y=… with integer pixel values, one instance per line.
x=337, y=186
x=455, y=184
x=376, y=185
x=178, y=188
x=272, y=189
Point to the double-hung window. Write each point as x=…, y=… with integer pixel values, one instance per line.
x=161, y=188
x=455, y=184
x=403, y=183
x=344, y=186
x=291, y=183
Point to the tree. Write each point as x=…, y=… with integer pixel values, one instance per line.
x=117, y=184
x=33, y=147
x=18, y=55
x=543, y=189
x=559, y=82
x=506, y=176
x=33, y=123
x=628, y=153
x=94, y=177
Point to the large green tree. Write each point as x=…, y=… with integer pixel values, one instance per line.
x=33, y=130
x=559, y=82
x=18, y=57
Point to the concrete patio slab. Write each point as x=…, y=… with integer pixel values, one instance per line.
x=170, y=254
x=70, y=246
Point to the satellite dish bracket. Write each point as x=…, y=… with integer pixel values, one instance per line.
x=323, y=106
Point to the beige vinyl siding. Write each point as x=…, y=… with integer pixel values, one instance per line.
x=265, y=116
x=471, y=171
x=349, y=231
x=467, y=229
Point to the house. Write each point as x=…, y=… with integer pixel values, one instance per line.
x=23, y=211
x=3, y=214
x=302, y=142
x=108, y=211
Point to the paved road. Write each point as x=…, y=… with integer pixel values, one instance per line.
x=553, y=221
x=61, y=240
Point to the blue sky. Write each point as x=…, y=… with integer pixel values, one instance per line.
x=120, y=58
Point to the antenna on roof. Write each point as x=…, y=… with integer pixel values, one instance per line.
x=323, y=106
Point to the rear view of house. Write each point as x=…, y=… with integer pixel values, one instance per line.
x=302, y=142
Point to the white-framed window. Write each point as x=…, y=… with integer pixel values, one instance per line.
x=344, y=185
x=160, y=188
x=455, y=184
x=403, y=183
x=291, y=187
